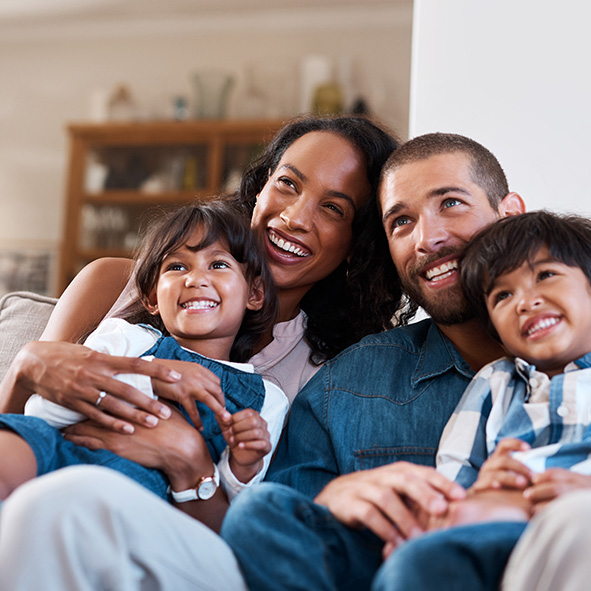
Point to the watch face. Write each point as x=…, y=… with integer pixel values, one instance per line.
x=207, y=489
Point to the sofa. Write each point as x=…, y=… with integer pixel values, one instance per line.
x=23, y=316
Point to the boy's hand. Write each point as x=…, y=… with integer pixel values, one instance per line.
x=249, y=441
x=552, y=483
x=501, y=470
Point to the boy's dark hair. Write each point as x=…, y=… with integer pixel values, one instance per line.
x=362, y=295
x=485, y=169
x=220, y=220
x=511, y=241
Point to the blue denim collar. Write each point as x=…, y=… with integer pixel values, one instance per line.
x=438, y=355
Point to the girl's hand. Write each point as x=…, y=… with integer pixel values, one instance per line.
x=74, y=376
x=249, y=441
x=552, y=483
x=196, y=383
x=501, y=470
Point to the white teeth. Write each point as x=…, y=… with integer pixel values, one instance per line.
x=199, y=304
x=287, y=246
x=545, y=323
x=441, y=271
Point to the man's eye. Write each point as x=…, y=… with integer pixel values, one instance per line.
x=451, y=202
x=401, y=221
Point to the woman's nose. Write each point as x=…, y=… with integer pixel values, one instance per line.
x=299, y=214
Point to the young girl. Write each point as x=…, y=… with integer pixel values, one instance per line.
x=207, y=297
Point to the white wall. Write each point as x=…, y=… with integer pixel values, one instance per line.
x=514, y=75
x=49, y=71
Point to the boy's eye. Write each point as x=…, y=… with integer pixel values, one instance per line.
x=500, y=296
x=220, y=265
x=545, y=275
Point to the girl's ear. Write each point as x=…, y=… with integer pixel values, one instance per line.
x=151, y=303
x=256, y=298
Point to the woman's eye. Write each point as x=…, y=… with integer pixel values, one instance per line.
x=335, y=208
x=284, y=180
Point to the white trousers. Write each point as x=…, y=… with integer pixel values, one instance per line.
x=553, y=553
x=87, y=528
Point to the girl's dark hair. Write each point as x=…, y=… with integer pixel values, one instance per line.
x=220, y=220
x=360, y=297
x=511, y=241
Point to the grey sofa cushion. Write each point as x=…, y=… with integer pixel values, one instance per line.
x=23, y=316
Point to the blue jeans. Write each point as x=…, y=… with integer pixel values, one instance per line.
x=467, y=558
x=283, y=540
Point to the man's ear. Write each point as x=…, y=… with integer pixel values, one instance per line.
x=512, y=204
x=256, y=298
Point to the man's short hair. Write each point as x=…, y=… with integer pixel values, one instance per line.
x=485, y=169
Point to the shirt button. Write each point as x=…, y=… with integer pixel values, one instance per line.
x=562, y=410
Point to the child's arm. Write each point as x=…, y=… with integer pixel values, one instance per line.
x=273, y=413
x=249, y=441
x=553, y=483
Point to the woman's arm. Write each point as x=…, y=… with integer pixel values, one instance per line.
x=73, y=375
x=175, y=447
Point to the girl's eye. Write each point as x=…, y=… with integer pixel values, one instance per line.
x=175, y=267
x=545, y=275
x=220, y=265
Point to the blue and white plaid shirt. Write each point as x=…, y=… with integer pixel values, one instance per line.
x=509, y=398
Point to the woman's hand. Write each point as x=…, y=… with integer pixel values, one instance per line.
x=501, y=470
x=196, y=383
x=74, y=376
x=173, y=446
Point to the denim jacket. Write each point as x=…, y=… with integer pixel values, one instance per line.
x=383, y=400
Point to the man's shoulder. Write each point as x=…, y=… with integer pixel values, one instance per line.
x=407, y=339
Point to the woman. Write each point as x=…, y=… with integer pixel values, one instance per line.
x=312, y=197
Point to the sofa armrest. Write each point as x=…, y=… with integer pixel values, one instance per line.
x=23, y=316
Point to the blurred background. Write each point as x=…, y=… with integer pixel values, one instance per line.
x=512, y=74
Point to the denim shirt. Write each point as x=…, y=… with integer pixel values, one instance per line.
x=383, y=400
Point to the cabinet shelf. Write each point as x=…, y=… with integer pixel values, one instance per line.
x=119, y=171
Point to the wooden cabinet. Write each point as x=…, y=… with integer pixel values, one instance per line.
x=118, y=171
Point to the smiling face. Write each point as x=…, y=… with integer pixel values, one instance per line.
x=202, y=296
x=542, y=312
x=306, y=209
x=430, y=210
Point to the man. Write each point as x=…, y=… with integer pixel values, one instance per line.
x=363, y=433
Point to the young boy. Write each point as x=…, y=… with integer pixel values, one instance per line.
x=521, y=434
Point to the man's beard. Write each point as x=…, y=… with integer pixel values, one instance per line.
x=448, y=307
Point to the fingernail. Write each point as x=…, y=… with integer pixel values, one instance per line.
x=164, y=412
x=175, y=375
x=151, y=420
x=128, y=429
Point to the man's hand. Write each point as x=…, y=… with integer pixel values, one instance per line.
x=379, y=499
x=501, y=470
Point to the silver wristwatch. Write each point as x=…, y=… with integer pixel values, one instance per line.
x=204, y=490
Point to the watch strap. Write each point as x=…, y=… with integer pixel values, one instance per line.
x=191, y=494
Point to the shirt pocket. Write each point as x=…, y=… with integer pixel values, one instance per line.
x=365, y=459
